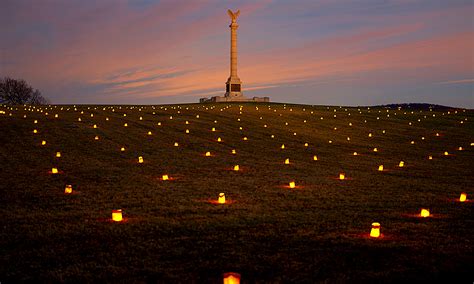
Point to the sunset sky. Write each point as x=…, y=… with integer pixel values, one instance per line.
x=325, y=52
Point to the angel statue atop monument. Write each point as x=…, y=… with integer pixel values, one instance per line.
x=233, y=16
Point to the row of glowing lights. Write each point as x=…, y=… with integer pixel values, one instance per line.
x=375, y=231
x=240, y=108
x=140, y=108
x=117, y=213
x=342, y=176
x=292, y=184
x=245, y=138
x=219, y=139
x=31, y=108
x=240, y=112
x=221, y=199
x=401, y=164
x=286, y=123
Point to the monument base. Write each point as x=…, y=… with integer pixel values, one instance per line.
x=218, y=99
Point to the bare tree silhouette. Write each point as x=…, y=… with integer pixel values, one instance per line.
x=18, y=92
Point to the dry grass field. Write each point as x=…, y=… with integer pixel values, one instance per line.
x=174, y=231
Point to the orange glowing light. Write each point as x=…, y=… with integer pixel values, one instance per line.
x=425, y=213
x=54, y=170
x=187, y=131
x=231, y=278
x=342, y=176
x=315, y=158
x=43, y=142
x=122, y=149
x=287, y=161
x=375, y=231
x=236, y=168
x=35, y=131
x=292, y=184
x=234, y=152
x=460, y=149
x=165, y=177
x=375, y=150
x=68, y=189
x=381, y=168
x=355, y=154
x=176, y=144
x=401, y=164
x=58, y=154
x=430, y=157
x=213, y=129
x=140, y=160
x=446, y=153
x=219, y=139
x=283, y=146
x=221, y=199
x=117, y=215
x=149, y=133
x=125, y=124
x=208, y=154
x=96, y=138
x=463, y=197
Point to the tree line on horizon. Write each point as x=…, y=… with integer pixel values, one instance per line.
x=18, y=92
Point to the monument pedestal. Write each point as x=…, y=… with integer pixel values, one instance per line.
x=233, y=88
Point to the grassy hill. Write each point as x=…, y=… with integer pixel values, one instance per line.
x=173, y=230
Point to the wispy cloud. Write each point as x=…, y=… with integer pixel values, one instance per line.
x=463, y=81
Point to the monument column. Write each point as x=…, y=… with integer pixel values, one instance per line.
x=233, y=49
x=233, y=84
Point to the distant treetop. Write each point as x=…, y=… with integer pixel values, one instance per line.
x=18, y=92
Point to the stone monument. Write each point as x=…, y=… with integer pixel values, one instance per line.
x=233, y=86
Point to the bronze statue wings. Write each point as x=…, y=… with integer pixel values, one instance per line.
x=232, y=15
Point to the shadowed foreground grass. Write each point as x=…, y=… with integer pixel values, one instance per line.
x=268, y=233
